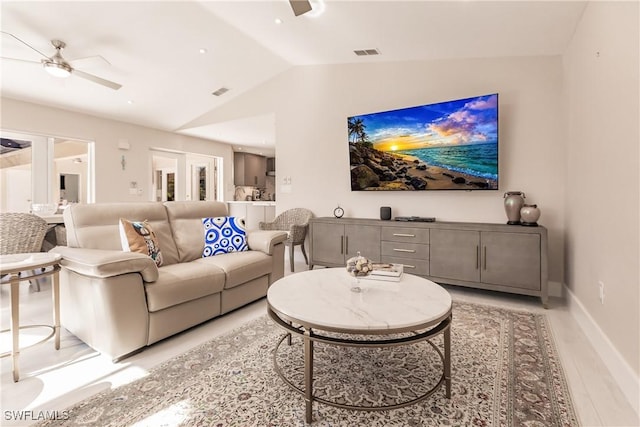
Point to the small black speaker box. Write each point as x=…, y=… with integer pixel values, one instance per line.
x=385, y=212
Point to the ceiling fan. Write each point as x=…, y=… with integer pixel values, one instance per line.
x=57, y=66
x=300, y=7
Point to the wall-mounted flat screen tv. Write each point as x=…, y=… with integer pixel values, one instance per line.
x=451, y=145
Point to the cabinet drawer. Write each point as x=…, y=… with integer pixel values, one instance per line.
x=411, y=266
x=406, y=234
x=405, y=250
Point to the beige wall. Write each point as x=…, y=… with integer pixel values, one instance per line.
x=112, y=183
x=312, y=104
x=603, y=185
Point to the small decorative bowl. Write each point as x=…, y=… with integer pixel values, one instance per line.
x=359, y=266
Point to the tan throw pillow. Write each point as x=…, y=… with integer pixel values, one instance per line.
x=136, y=236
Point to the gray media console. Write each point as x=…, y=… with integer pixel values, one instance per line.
x=498, y=257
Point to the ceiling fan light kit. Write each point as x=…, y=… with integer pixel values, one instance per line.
x=59, y=70
x=57, y=66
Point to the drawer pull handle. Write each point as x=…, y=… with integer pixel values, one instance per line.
x=409, y=266
x=404, y=235
x=411, y=251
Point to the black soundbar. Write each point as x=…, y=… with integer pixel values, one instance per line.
x=415, y=218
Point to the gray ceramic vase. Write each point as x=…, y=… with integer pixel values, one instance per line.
x=513, y=202
x=529, y=215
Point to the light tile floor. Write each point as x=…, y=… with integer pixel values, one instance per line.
x=53, y=380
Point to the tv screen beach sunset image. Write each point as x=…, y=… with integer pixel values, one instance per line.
x=449, y=145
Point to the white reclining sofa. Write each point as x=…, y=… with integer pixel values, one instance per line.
x=120, y=302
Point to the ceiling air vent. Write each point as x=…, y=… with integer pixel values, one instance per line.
x=366, y=52
x=220, y=91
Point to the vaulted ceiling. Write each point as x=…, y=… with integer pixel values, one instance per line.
x=170, y=57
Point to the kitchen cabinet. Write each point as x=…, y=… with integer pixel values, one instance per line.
x=498, y=257
x=333, y=243
x=249, y=170
x=271, y=166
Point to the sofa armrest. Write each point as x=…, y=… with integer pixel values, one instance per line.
x=107, y=263
x=264, y=240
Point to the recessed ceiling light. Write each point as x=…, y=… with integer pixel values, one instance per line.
x=278, y=21
x=130, y=102
x=202, y=50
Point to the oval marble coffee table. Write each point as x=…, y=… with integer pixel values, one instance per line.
x=314, y=302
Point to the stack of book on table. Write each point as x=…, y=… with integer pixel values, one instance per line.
x=386, y=271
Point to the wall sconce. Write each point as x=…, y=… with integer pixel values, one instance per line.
x=124, y=145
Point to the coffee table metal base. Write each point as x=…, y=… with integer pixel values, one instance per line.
x=311, y=335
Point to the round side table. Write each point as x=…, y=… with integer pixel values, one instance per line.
x=14, y=269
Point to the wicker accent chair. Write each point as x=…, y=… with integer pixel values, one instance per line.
x=296, y=223
x=21, y=233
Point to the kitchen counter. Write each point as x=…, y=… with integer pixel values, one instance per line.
x=255, y=202
x=253, y=211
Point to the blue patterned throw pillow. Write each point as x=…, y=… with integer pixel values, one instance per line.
x=223, y=235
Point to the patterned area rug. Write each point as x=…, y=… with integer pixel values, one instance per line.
x=505, y=372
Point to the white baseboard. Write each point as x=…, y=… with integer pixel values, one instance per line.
x=622, y=373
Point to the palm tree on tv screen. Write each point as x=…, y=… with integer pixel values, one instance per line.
x=357, y=130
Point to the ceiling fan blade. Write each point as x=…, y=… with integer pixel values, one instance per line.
x=24, y=43
x=89, y=62
x=95, y=79
x=300, y=6
x=20, y=60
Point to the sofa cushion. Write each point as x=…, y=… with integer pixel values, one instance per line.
x=239, y=267
x=224, y=235
x=136, y=236
x=186, y=223
x=178, y=283
x=96, y=226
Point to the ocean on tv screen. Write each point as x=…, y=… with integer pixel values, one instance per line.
x=450, y=145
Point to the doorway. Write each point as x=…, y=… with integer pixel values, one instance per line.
x=70, y=187
x=32, y=168
x=204, y=182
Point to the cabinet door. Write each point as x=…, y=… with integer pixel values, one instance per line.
x=327, y=245
x=255, y=170
x=454, y=254
x=255, y=214
x=511, y=259
x=364, y=239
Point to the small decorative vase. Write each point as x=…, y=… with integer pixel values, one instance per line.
x=513, y=202
x=358, y=266
x=529, y=215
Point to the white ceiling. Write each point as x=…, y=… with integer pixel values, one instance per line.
x=153, y=48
